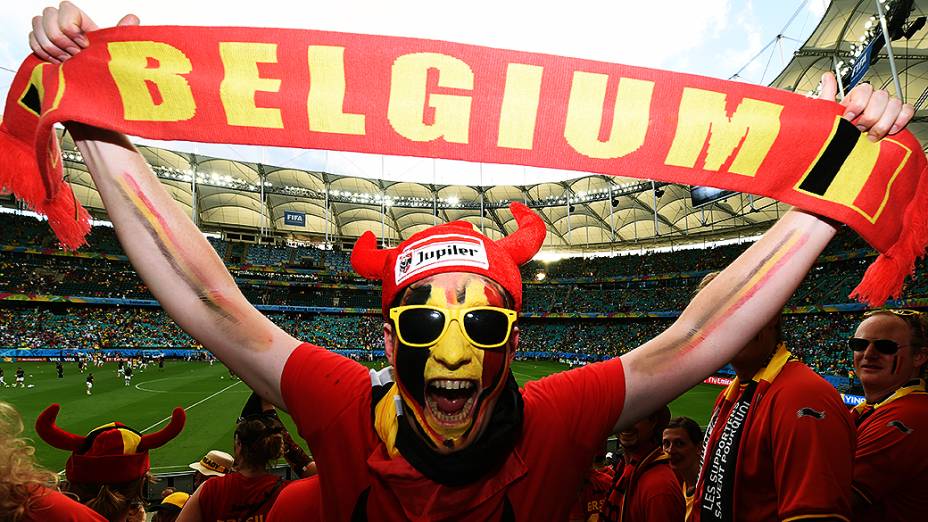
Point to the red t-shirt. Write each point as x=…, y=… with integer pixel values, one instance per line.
x=48, y=505
x=656, y=497
x=300, y=500
x=891, y=463
x=796, y=453
x=592, y=494
x=567, y=416
x=237, y=497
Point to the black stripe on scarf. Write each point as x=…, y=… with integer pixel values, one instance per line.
x=717, y=502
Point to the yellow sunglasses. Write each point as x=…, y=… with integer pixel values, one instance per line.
x=421, y=326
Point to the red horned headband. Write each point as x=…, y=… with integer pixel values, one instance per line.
x=163, y=436
x=50, y=432
x=46, y=427
x=452, y=247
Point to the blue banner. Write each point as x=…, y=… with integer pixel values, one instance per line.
x=852, y=400
x=294, y=219
x=862, y=63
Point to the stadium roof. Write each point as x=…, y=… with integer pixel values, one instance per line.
x=843, y=25
x=589, y=212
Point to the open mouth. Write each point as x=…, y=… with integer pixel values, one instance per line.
x=451, y=401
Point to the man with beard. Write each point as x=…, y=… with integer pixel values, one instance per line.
x=452, y=436
x=891, y=462
x=644, y=487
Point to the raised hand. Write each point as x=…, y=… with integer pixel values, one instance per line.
x=58, y=34
x=872, y=111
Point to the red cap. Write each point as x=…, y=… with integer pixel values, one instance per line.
x=452, y=247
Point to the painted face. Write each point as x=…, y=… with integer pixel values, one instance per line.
x=452, y=386
x=684, y=453
x=879, y=373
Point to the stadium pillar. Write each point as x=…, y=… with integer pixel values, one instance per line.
x=889, y=50
x=194, y=204
x=327, y=236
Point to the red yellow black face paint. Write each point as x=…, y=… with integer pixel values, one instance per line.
x=451, y=387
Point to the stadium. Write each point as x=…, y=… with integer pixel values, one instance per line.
x=621, y=259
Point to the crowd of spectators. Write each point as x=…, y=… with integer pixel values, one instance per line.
x=680, y=260
x=25, y=231
x=818, y=339
x=65, y=276
x=597, y=338
x=827, y=283
x=95, y=327
x=87, y=327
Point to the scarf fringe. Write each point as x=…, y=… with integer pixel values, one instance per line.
x=885, y=277
x=67, y=217
x=19, y=170
x=19, y=173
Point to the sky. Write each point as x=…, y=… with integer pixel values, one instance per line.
x=718, y=38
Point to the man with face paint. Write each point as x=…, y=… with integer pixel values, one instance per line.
x=452, y=438
x=891, y=462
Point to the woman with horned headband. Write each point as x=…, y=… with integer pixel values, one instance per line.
x=27, y=492
x=108, y=469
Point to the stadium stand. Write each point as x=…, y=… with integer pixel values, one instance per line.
x=586, y=309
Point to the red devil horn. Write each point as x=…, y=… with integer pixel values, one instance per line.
x=525, y=241
x=50, y=432
x=367, y=259
x=160, y=438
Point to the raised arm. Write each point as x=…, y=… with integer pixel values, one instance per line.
x=732, y=309
x=180, y=267
x=167, y=250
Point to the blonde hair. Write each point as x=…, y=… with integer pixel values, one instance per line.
x=19, y=474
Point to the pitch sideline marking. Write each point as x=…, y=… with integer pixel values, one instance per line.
x=201, y=401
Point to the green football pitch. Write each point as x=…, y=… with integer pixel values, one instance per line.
x=212, y=400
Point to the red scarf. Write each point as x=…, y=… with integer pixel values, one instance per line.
x=410, y=97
